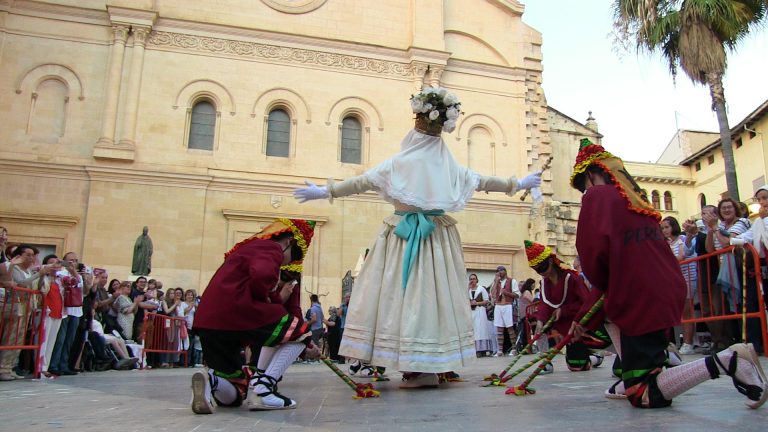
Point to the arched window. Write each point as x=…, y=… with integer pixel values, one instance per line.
x=50, y=109
x=351, y=140
x=668, y=201
x=202, y=126
x=278, y=133
x=702, y=200
x=656, y=200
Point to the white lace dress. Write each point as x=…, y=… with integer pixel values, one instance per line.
x=427, y=325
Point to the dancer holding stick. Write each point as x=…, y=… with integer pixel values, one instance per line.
x=498, y=380
x=626, y=259
x=523, y=389
x=563, y=294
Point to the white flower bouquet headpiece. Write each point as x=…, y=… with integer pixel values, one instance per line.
x=436, y=107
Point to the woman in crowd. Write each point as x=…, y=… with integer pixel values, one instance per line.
x=483, y=328
x=670, y=228
x=126, y=309
x=334, y=333
x=113, y=285
x=172, y=306
x=758, y=236
x=51, y=287
x=193, y=341
x=726, y=292
x=526, y=298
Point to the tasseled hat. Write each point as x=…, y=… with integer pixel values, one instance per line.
x=302, y=230
x=537, y=253
x=594, y=154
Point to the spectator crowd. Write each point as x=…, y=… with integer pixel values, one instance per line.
x=83, y=321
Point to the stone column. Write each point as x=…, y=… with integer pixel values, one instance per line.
x=128, y=131
x=120, y=34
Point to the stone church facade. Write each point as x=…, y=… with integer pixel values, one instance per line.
x=198, y=119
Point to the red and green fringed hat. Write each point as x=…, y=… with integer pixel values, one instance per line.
x=302, y=230
x=595, y=154
x=588, y=154
x=536, y=252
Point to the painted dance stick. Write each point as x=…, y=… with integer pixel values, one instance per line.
x=543, y=168
x=523, y=389
x=361, y=390
x=496, y=380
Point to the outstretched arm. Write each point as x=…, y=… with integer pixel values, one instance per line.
x=352, y=186
x=510, y=185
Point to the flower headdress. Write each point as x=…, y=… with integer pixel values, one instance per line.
x=436, y=109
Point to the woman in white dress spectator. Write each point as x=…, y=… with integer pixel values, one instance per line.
x=190, y=301
x=483, y=328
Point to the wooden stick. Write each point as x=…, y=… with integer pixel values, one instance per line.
x=496, y=380
x=523, y=389
x=543, y=168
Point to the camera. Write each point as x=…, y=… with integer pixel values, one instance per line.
x=81, y=268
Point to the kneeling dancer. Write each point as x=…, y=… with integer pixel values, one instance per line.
x=242, y=305
x=625, y=256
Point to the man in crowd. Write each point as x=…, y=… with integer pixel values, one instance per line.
x=504, y=294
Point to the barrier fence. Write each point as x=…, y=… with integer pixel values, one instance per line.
x=725, y=290
x=21, y=326
x=164, y=335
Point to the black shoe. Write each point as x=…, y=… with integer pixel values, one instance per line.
x=54, y=372
x=67, y=372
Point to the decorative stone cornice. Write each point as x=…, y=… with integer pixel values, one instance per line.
x=41, y=169
x=38, y=219
x=245, y=215
x=62, y=12
x=275, y=53
x=121, y=175
x=665, y=180
x=132, y=17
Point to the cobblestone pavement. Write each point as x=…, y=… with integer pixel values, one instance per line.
x=158, y=400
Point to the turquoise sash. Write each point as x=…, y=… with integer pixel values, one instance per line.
x=414, y=227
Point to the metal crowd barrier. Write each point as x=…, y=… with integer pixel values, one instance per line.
x=164, y=334
x=21, y=324
x=719, y=292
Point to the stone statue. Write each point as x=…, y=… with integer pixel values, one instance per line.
x=142, y=254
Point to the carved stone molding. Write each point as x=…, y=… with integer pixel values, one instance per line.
x=140, y=35
x=294, y=6
x=120, y=33
x=298, y=56
x=38, y=219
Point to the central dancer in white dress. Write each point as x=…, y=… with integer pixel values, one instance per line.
x=409, y=308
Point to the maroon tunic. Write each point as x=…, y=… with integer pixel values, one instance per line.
x=624, y=256
x=574, y=299
x=238, y=295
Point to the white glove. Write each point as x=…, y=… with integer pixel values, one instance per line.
x=737, y=242
x=311, y=192
x=530, y=181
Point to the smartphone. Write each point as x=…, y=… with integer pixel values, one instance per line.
x=81, y=268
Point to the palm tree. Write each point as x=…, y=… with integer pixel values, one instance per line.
x=693, y=35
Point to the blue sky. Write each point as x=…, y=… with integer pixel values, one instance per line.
x=632, y=95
